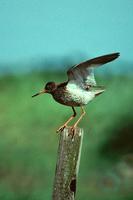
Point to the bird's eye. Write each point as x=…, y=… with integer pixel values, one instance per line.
x=49, y=86
x=46, y=87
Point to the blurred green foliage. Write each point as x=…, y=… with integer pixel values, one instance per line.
x=28, y=139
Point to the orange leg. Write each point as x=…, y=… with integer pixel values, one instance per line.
x=76, y=123
x=66, y=123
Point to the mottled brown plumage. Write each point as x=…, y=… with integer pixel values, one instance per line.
x=80, y=88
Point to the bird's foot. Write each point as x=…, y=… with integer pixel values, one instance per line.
x=72, y=131
x=61, y=128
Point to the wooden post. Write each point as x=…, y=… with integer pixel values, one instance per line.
x=67, y=166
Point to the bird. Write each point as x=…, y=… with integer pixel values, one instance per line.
x=79, y=89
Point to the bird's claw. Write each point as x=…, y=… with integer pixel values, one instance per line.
x=72, y=131
x=61, y=129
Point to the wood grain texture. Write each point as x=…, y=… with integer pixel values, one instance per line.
x=67, y=166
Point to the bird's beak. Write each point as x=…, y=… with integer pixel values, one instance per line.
x=41, y=92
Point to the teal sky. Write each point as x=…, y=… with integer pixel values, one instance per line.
x=40, y=28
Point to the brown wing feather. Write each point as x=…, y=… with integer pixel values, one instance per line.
x=83, y=70
x=95, y=62
x=101, y=60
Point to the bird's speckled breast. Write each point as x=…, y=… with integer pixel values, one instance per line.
x=73, y=95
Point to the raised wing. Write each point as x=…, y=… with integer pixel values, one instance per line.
x=83, y=73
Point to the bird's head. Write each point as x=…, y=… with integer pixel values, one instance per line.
x=48, y=88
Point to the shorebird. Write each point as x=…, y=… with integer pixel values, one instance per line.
x=80, y=88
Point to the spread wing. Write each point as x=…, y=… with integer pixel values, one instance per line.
x=83, y=73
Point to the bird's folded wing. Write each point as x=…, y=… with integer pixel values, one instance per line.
x=83, y=73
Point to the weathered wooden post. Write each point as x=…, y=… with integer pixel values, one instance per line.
x=67, y=166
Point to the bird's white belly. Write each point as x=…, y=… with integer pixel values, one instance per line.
x=79, y=95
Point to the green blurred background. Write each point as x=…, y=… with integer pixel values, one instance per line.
x=39, y=41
